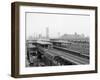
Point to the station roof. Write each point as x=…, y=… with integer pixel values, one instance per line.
x=44, y=43
x=31, y=46
x=31, y=41
x=61, y=41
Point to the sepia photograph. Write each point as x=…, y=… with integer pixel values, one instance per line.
x=56, y=39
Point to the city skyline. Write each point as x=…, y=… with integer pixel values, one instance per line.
x=37, y=23
x=47, y=36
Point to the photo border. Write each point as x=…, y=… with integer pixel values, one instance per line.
x=15, y=32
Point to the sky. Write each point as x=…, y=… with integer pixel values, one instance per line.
x=36, y=23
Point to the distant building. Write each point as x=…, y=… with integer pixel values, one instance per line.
x=47, y=32
x=58, y=34
x=75, y=37
x=40, y=36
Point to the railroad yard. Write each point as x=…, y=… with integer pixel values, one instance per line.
x=56, y=53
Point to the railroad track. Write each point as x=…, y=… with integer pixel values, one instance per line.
x=72, y=52
x=70, y=57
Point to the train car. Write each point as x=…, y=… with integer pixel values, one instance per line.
x=61, y=43
x=31, y=53
x=50, y=57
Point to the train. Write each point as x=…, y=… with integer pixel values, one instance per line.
x=43, y=53
x=76, y=47
x=31, y=52
x=50, y=58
